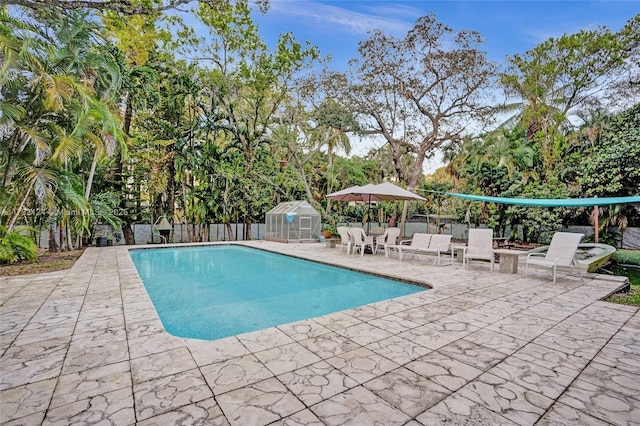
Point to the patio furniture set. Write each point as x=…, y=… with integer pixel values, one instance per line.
x=559, y=255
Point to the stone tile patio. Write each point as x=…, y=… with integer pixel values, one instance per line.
x=85, y=346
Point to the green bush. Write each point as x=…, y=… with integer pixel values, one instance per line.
x=15, y=247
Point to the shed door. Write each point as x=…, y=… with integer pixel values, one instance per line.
x=305, y=227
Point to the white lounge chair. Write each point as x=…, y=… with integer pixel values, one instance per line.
x=389, y=238
x=479, y=246
x=360, y=240
x=439, y=244
x=560, y=254
x=416, y=243
x=345, y=238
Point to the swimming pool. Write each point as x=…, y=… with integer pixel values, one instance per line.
x=218, y=291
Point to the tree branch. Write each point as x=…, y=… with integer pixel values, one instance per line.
x=126, y=7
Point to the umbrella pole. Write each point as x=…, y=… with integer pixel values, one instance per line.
x=369, y=215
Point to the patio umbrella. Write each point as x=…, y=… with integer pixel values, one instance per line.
x=382, y=192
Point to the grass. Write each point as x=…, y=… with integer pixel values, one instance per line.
x=632, y=297
x=619, y=259
x=628, y=257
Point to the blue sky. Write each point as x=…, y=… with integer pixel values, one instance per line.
x=509, y=27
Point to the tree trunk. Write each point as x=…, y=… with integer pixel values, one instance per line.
x=62, y=238
x=190, y=234
x=92, y=172
x=53, y=245
x=129, y=237
x=229, y=231
x=69, y=240
x=247, y=229
x=20, y=208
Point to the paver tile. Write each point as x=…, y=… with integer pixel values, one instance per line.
x=286, y=358
x=409, y=392
x=444, y=370
x=512, y=401
x=316, y=382
x=521, y=326
x=167, y=393
x=32, y=363
x=398, y=349
x=206, y=412
x=477, y=356
x=427, y=337
x=358, y=406
x=612, y=378
x=234, y=373
x=563, y=415
x=457, y=410
x=337, y=321
x=81, y=358
x=303, y=330
x=161, y=364
x=153, y=343
x=364, y=333
x=108, y=408
x=329, y=345
x=568, y=345
x=618, y=359
x=602, y=403
x=497, y=341
x=86, y=384
x=207, y=352
x=260, y=340
x=532, y=376
x=259, y=403
x=362, y=364
x=26, y=399
x=301, y=418
x=555, y=360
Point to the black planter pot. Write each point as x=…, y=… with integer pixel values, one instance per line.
x=101, y=241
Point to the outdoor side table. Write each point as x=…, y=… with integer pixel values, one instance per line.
x=509, y=260
x=331, y=243
x=459, y=252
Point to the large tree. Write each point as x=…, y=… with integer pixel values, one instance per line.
x=420, y=92
x=555, y=79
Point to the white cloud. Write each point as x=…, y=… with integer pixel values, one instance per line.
x=344, y=20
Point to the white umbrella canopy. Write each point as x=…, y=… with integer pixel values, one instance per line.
x=382, y=192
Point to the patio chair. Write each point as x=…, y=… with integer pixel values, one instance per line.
x=418, y=242
x=479, y=246
x=560, y=254
x=345, y=238
x=389, y=238
x=440, y=243
x=360, y=240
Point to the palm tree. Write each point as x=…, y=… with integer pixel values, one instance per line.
x=57, y=105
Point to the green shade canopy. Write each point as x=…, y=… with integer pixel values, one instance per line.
x=550, y=202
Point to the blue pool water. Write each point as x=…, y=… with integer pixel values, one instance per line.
x=219, y=291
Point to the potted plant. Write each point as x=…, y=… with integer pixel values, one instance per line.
x=328, y=230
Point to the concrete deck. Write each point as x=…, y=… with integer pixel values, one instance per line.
x=85, y=346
